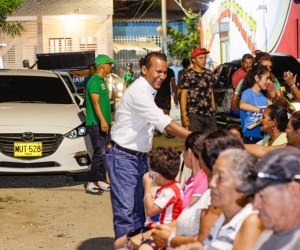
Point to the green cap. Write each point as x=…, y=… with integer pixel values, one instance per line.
x=103, y=59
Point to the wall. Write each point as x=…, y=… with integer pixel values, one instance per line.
x=143, y=28
x=272, y=29
x=94, y=19
x=65, y=7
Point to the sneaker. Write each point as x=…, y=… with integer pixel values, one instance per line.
x=104, y=185
x=93, y=188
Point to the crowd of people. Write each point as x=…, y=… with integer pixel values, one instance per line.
x=244, y=187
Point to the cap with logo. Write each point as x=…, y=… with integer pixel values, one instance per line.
x=279, y=166
x=101, y=59
x=199, y=51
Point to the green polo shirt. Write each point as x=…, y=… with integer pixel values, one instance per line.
x=97, y=85
x=128, y=77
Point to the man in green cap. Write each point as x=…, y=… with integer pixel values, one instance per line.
x=98, y=122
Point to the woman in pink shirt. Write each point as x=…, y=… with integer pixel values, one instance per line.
x=197, y=183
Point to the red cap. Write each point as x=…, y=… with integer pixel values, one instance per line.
x=199, y=51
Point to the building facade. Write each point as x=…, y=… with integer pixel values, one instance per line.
x=59, y=26
x=231, y=28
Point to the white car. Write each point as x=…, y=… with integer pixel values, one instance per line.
x=42, y=125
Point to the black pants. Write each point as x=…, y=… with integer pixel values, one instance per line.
x=205, y=124
x=99, y=141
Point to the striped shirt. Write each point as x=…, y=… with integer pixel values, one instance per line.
x=169, y=198
x=222, y=236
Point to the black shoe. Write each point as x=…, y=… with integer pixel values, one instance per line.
x=157, y=133
x=169, y=136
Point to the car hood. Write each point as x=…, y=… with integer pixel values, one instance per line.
x=38, y=118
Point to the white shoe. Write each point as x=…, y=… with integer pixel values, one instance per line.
x=92, y=188
x=104, y=186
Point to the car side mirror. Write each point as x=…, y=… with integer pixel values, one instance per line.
x=79, y=100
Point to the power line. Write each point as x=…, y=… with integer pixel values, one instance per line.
x=147, y=9
x=139, y=9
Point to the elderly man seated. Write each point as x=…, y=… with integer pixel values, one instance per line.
x=275, y=182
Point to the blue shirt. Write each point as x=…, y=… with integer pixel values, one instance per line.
x=85, y=81
x=247, y=117
x=176, y=71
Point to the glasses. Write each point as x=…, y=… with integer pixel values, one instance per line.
x=253, y=175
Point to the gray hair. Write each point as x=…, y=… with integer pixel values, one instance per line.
x=241, y=161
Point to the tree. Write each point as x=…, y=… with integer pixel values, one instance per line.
x=11, y=28
x=182, y=45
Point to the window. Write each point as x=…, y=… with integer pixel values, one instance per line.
x=60, y=45
x=87, y=43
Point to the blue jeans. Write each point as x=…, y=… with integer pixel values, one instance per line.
x=126, y=173
x=99, y=141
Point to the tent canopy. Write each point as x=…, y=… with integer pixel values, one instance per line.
x=152, y=46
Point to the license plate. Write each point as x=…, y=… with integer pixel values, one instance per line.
x=28, y=149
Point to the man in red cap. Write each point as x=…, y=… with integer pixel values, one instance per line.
x=197, y=96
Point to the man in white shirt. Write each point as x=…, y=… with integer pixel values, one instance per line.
x=275, y=182
x=132, y=134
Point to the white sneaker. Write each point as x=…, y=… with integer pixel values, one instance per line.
x=92, y=188
x=104, y=186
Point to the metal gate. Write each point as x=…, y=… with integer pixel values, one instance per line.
x=133, y=56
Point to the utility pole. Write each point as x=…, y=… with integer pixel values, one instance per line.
x=164, y=26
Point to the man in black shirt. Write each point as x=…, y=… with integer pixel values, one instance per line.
x=197, y=96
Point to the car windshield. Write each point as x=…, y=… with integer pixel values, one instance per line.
x=69, y=83
x=33, y=89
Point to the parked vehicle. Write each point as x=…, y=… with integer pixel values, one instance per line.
x=76, y=63
x=42, y=125
x=115, y=85
x=68, y=80
x=223, y=88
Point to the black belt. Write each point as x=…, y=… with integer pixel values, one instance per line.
x=127, y=150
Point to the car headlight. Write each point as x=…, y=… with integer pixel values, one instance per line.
x=119, y=86
x=77, y=132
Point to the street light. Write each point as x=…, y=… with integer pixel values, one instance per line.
x=264, y=8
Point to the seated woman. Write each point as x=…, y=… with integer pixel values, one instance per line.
x=239, y=225
x=266, y=60
x=253, y=102
x=292, y=135
x=198, y=182
x=196, y=220
x=274, y=122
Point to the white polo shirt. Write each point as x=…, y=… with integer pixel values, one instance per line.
x=136, y=116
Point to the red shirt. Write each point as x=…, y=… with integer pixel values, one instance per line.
x=238, y=76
